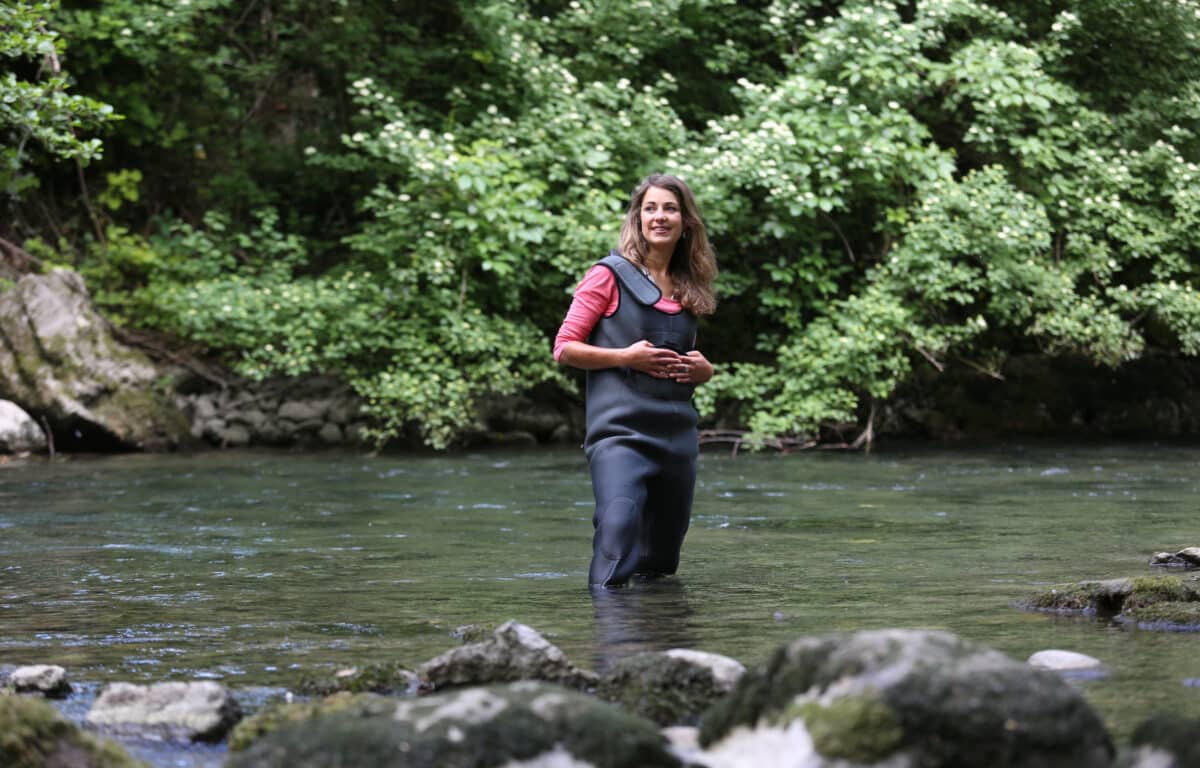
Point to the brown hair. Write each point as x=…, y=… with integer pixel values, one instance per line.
x=693, y=266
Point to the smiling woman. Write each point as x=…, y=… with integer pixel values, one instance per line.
x=632, y=327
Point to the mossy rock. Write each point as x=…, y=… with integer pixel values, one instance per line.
x=1176, y=735
x=664, y=688
x=1152, y=590
x=485, y=727
x=926, y=697
x=1085, y=596
x=862, y=729
x=387, y=678
x=1150, y=602
x=1112, y=596
x=1178, y=616
x=279, y=714
x=33, y=734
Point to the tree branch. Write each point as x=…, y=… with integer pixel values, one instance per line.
x=18, y=257
x=845, y=242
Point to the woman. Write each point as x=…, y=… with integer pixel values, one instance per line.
x=632, y=327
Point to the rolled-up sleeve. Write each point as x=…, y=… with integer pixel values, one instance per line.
x=596, y=296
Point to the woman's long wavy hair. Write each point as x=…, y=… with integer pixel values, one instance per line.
x=693, y=266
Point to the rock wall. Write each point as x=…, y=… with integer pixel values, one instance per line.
x=307, y=412
x=1157, y=396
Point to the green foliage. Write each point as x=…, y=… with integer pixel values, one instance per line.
x=403, y=194
x=1063, y=235
x=35, y=108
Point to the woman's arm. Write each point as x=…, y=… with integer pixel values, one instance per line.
x=596, y=297
x=642, y=356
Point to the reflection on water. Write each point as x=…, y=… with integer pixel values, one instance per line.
x=649, y=615
x=258, y=568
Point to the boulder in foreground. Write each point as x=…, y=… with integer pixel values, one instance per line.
x=518, y=724
x=33, y=735
x=670, y=687
x=904, y=697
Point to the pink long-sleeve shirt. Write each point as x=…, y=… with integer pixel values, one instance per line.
x=596, y=296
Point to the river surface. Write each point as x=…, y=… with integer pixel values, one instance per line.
x=257, y=568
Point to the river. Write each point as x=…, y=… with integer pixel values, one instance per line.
x=257, y=568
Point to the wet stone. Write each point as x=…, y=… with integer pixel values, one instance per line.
x=670, y=687
x=191, y=711
x=513, y=652
x=926, y=697
x=518, y=724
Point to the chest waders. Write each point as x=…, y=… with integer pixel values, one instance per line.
x=641, y=439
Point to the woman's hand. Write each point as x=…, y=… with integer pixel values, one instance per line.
x=659, y=362
x=692, y=368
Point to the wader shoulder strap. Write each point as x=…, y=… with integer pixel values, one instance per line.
x=635, y=281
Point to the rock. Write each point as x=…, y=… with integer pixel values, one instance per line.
x=279, y=714
x=373, y=678
x=302, y=411
x=192, y=711
x=1171, y=615
x=58, y=358
x=513, y=652
x=503, y=414
x=270, y=434
x=669, y=687
x=1184, y=558
x=1068, y=664
x=236, y=436
x=1191, y=555
x=524, y=724
x=204, y=408
x=1153, y=602
x=214, y=429
x=19, y=433
x=1111, y=596
x=918, y=698
x=254, y=419
x=683, y=738
x=1055, y=660
x=343, y=412
x=330, y=434
x=1166, y=741
x=47, y=679
x=33, y=735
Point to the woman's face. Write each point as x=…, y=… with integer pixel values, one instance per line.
x=662, y=219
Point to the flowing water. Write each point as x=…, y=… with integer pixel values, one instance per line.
x=257, y=568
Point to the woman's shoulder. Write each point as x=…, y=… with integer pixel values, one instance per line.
x=598, y=276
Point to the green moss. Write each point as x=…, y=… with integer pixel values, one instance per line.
x=374, y=678
x=1107, y=596
x=1168, y=615
x=1063, y=597
x=858, y=728
x=1148, y=590
x=33, y=734
x=278, y=714
x=659, y=688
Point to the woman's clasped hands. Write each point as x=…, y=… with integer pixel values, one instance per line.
x=664, y=363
